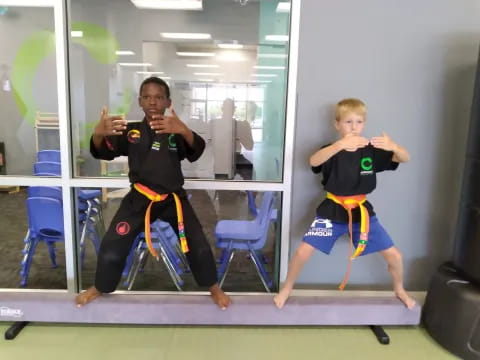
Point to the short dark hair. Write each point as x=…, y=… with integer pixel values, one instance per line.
x=155, y=80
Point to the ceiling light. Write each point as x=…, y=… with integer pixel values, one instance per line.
x=77, y=34
x=269, y=67
x=282, y=38
x=134, y=64
x=186, y=36
x=203, y=65
x=230, y=46
x=150, y=72
x=201, y=54
x=124, y=52
x=206, y=80
x=168, y=4
x=264, y=75
x=231, y=56
x=272, y=56
x=283, y=7
x=207, y=74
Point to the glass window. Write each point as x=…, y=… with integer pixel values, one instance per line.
x=217, y=212
x=226, y=65
x=28, y=88
x=32, y=246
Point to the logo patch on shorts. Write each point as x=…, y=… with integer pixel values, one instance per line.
x=156, y=145
x=322, y=223
x=133, y=136
x=122, y=228
x=320, y=227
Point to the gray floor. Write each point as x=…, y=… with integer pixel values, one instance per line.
x=209, y=207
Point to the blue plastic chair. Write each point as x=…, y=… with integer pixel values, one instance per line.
x=90, y=198
x=252, y=208
x=47, y=168
x=36, y=216
x=251, y=203
x=246, y=235
x=45, y=223
x=165, y=241
x=48, y=155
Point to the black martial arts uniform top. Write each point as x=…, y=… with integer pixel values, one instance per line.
x=153, y=159
x=351, y=173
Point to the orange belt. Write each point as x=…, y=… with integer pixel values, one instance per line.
x=349, y=203
x=154, y=197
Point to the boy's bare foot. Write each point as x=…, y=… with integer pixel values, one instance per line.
x=281, y=298
x=88, y=295
x=219, y=297
x=405, y=298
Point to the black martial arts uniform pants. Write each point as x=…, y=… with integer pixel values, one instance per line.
x=129, y=221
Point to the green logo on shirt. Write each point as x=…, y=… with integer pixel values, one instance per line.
x=366, y=163
x=172, y=145
x=367, y=166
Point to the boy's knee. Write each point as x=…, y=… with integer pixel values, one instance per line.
x=200, y=250
x=392, y=254
x=111, y=259
x=304, y=251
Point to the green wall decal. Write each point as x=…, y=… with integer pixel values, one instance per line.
x=27, y=60
x=98, y=41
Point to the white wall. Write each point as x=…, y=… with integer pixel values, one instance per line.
x=16, y=26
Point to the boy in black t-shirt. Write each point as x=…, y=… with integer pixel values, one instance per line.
x=348, y=167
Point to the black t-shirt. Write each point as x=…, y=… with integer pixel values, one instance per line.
x=153, y=159
x=352, y=173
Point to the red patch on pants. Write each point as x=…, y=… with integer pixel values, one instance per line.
x=122, y=228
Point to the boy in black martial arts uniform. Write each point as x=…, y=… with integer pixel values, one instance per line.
x=154, y=148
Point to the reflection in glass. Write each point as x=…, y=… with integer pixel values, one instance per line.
x=32, y=246
x=28, y=88
x=223, y=51
x=171, y=272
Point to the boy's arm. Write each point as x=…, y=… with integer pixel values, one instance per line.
x=193, y=151
x=400, y=154
x=105, y=142
x=384, y=142
x=350, y=142
x=322, y=155
x=107, y=126
x=171, y=124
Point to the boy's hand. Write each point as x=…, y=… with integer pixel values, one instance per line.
x=383, y=142
x=352, y=142
x=168, y=124
x=109, y=125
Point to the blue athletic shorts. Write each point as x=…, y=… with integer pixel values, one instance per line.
x=323, y=233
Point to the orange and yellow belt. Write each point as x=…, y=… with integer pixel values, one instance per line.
x=349, y=203
x=154, y=197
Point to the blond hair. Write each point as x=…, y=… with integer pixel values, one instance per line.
x=350, y=105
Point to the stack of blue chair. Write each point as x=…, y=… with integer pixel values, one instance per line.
x=45, y=223
x=48, y=227
x=165, y=241
x=48, y=164
x=246, y=235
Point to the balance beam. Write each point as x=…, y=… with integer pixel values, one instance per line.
x=185, y=309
